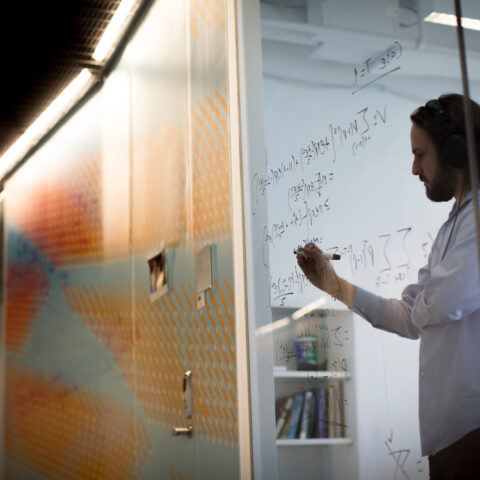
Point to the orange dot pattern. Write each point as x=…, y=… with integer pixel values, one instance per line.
x=170, y=336
x=211, y=170
x=159, y=189
x=207, y=13
x=216, y=388
x=67, y=432
x=176, y=475
x=27, y=291
x=56, y=204
x=160, y=181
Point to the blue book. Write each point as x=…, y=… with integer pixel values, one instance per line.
x=321, y=417
x=295, y=415
x=308, y=416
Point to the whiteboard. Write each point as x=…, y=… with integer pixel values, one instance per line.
x=339, y=174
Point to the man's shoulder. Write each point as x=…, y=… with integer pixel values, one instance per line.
x=466, y=221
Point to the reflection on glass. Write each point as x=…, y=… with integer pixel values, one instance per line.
x=340, y=80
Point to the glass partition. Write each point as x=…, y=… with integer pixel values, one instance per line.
x=340, y=81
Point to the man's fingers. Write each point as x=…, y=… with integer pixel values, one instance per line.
x=313, y=252
x=315, y=248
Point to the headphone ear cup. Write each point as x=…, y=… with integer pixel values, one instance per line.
x=454, y=151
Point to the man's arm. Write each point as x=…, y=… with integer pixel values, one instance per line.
x=391, y=315
x=321, y=274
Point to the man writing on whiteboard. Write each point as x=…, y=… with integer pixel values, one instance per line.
x=443, y=307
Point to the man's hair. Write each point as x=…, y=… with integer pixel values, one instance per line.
x=443, y=120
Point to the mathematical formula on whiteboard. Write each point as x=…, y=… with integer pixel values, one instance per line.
x=339, y=175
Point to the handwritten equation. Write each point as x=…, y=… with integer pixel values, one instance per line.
x=400, y=457
x=305, y=189
x=309, y=197
x=293, y=283
x=388, y=256
x=352, y=135
x=356, y=133
x=377, y=67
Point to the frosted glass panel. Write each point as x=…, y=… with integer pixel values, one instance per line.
x=103, y=227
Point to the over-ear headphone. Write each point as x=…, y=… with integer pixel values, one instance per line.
x=452, y=144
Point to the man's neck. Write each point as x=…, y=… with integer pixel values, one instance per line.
x=462, y=190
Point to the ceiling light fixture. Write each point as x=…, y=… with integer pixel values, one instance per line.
x=451, y=20
x=70, y=96
x=45, y=121
x=112, y=32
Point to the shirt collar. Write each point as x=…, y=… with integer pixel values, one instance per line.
x=466, y=199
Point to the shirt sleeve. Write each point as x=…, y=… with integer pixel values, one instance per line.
x=447, y=290
x=388, y=314
x=453, y=290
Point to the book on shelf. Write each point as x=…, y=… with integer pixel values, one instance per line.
x=321, y=413
x=279, y=405
x=337, y=404
x=336, y=413
x=332, y=430
x=283, y=407
x=308, y=416
x=315, y=413
x=295, y=416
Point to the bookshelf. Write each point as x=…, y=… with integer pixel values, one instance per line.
x=334, y=337
x=293, y=381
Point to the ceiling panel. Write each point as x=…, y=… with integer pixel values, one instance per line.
x=44, y=45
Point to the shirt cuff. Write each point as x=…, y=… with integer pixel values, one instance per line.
x=365, y=304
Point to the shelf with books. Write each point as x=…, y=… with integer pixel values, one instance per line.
x=315, y=415
x=296, y=442
x=314, y=386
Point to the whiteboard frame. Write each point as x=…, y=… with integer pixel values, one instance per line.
x=255, y=384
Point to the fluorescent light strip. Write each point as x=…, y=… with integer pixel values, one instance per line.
x=112, y=31
x=45, y=121
x=308, y=308
x=269, y=328
x=69, y=96
x=451, y=20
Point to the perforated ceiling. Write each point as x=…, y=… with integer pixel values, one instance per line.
x=44, y=45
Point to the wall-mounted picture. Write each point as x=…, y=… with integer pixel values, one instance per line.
x=157, y=267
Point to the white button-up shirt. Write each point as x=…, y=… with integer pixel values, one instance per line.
x=443, y=308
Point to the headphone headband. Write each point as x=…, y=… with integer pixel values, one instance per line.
x=451, y=143
x=439, y=114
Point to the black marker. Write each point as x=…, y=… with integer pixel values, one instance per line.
x=326, y=256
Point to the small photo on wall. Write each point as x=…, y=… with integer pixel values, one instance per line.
x=157, y=267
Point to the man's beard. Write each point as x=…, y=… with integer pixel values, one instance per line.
x=441, y=187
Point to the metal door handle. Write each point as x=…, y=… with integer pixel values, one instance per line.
x=187, y=393
x=182, y=431
x=187, y=404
